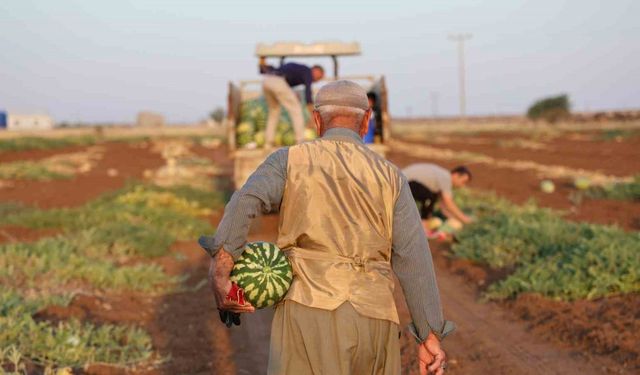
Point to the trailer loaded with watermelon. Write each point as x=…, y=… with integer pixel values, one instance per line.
x=247, y=109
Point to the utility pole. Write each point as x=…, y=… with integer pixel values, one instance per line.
x=460, y=39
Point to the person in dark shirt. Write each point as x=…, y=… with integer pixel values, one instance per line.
x=277, y=86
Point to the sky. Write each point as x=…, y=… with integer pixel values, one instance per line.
x=103, y=61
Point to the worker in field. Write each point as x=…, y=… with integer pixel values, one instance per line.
x=430, y=183
x=347, y=219
x=369, y=136
x=277, y=87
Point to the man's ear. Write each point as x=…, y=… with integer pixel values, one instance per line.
x=318, y=120
x=364, y=125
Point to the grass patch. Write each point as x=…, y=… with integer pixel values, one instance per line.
x=11, y=208
x=550, y=256
x=628, y=191
x=137, y=220
x=98, y=238
x=39, y=143
x=59, y=264
x=617, y=134
x=70, y=343
x=29, y=170
x=53, y=167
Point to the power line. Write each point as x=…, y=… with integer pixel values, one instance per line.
x=460, y=39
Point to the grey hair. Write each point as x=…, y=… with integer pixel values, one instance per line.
x=330, y=112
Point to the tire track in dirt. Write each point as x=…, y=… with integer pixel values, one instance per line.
x=186, y=328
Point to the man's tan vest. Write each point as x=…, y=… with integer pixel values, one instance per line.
x=335, y=225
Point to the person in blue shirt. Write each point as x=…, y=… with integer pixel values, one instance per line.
x=277, y=87
x=369, y=137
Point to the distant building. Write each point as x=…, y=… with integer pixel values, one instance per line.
x=150, y=120
x=28, y=122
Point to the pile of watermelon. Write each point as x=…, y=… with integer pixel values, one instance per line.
x=250, y=131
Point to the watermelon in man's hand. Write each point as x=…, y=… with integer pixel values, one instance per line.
x=264, y=274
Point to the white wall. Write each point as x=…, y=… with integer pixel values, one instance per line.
x=28, y=122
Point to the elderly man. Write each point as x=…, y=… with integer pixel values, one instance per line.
x=347, y=219
x=277, y=90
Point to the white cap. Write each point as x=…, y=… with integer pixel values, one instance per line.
x=342, y=93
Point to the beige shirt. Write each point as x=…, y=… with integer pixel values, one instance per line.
x=433, y=177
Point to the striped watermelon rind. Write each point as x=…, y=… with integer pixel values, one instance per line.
x=264, y=272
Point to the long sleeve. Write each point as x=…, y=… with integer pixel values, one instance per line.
x=412, y=263
x=261, y=193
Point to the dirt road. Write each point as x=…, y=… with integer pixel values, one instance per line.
x=487, y=341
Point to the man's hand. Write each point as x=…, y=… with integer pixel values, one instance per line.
x=431, y=357
x=219, y=273
x=453, y=210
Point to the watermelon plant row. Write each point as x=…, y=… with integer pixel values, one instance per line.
x=548, y=254
x=66, y=343
x=39, y=143
x=621, y=191
x=137, y=222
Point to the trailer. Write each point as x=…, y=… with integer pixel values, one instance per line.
x=247, y=157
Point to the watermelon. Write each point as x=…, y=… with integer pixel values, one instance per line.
x=244, y=133
x=260, y=138
x=582, y=183
x=451, y=226
x=289, y=138
x=278, y=139
x=245, y=127
x=264, y=272
x=284, y=127
x=547, y=186
x=434, y=223
x=310, y=134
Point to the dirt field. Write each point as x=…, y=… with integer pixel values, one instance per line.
x=578, y=150
x=528, y=335
x=574, y=150
x=130, y=163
